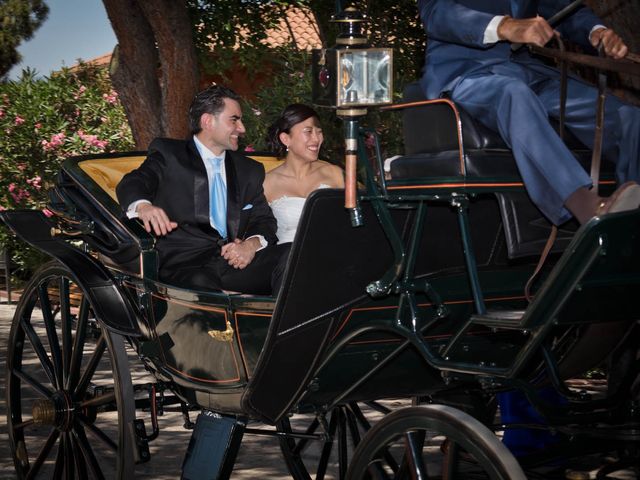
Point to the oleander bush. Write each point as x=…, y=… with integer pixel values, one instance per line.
x=42, y=122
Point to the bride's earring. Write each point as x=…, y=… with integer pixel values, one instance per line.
x=287, y=147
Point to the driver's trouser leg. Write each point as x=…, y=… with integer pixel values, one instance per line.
x=507, y=104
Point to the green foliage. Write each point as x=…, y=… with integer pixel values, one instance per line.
x=43, y=121
x=234, y=30
x=289, y=83
x=18, y=20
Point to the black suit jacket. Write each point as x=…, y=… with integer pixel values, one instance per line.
x=173, y=177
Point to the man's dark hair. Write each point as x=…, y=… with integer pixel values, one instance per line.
x=209, y=100
x=292, y=115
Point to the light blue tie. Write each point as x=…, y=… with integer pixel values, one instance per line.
x=218, y=198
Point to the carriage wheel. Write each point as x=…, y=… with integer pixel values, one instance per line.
x=433, y=441
x=344, y=427
x=69, y=399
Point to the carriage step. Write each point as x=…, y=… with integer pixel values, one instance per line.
x=510, y=319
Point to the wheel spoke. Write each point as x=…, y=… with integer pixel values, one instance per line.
x=59, y=466
x=87, y=452
x=301, y=445
x=67, y=325
x=414, y=443
x=91, y=367
x=327, y=447
x=52, y=335
x=43, y=453
x=97, y=432
x=38, y=348
x=68, y=457
x=352, y=422
x=450, y=461
x=37, y=386
x=99, y=400
x=79, y=456
x=78, y=345
x=343, y=447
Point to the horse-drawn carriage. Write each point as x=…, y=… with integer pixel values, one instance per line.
x=425, y=301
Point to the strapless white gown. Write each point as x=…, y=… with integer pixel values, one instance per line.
x=287, y=211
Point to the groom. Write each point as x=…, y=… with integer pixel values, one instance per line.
x=205, y=203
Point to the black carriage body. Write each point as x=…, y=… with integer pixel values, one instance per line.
x=446, y=243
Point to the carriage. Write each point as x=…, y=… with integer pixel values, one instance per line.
x=428, y=299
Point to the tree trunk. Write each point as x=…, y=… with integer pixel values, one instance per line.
x=154, y=68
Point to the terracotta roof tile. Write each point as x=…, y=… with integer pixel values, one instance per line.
x=298, y=23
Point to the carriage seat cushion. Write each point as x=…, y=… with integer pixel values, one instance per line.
x=107, y=172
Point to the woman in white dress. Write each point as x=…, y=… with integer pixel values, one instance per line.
x=296, y=137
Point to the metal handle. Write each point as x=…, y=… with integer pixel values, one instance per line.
x=222, y=335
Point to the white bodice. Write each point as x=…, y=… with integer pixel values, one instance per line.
x=287, y=211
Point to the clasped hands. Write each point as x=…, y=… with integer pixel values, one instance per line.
x=537, y=31
x=238, y=253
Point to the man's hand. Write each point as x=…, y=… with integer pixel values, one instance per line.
x=155, y=218
x=534, y=30
x=240, y=253
x=613, y=45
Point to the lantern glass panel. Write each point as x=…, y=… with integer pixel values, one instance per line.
x=364, y=77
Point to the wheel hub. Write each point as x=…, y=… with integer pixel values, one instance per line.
x=56, y=411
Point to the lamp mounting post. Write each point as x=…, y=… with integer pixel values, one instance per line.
x=351, y=77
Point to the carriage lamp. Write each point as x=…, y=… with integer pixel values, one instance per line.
x=352, y=74
x=351, y=77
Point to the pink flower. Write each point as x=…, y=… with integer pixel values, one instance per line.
x=92, y=140
x=19, y=120
x=47, y=213
x=12, y=187
x=2, y=208
x=35, y=182
x=249, y=148
x=38, y=126
x=1, y=113
x=22, y=166
x=56, y=141
x=111, y=97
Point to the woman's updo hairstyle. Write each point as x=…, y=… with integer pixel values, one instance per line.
x=291, y=115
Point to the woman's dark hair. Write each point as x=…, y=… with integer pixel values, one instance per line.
x=291, y=115
x=209, y=100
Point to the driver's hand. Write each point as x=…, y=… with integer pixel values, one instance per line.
x=155, y=218
x=536, y=30
x=611, y=42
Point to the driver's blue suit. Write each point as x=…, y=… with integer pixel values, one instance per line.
x=515, y=94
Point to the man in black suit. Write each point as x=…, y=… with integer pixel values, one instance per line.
x=186, y=189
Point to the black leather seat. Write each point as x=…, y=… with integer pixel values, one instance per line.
x=441, y=139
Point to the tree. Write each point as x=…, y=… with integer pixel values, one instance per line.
x=161, y=42
x=154, y=68
x=18, y=20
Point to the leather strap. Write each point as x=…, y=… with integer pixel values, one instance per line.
x=543, y=258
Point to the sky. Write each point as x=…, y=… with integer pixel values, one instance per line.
x=74, y=29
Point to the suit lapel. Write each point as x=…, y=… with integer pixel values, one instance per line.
x=233, y=197
x=200, y=185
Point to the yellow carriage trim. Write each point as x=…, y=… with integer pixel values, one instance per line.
x=107, y=172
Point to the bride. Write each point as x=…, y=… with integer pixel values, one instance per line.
x=296, y=136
